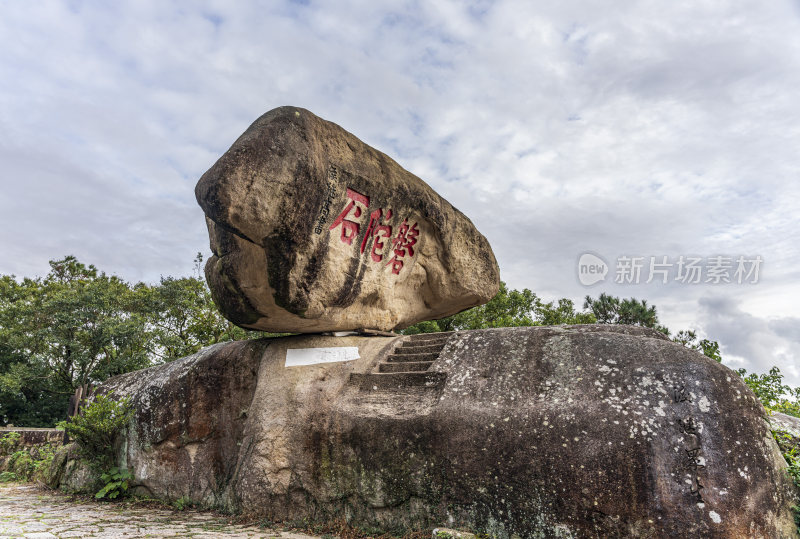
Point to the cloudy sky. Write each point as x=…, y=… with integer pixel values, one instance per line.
x=624, y=129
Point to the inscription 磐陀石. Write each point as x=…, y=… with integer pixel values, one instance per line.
x=403, y=244
x=378, y=230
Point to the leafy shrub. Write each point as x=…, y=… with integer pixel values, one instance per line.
x=97, y=429
x=8, y=477
x=116, y=483
x=27, y=464
x=42, y=460
x=182, y=503
x=9, y=442
x=790, y=449
x=21, y=464
x=772, y=392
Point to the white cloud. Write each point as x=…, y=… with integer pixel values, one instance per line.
x=652, y=128
x=753, y=342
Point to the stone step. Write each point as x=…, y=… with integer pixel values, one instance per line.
x=397, y=380
x=428, y=356
x=444, y=335
x=405, y=349
x=404, y=366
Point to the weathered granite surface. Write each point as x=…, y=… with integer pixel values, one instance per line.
x=786, y=423
x=313, y=230
x=581, y=431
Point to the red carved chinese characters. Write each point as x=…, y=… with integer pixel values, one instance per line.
x=378, y=230
x=350, y=228
x=403, y=244
x=375, y=229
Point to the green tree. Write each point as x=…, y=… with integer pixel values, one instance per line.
x=86, y=325
x=183, y=318
x=561, y=312
x=612, y=310
x=772, y=392
x=605, y=308
x=508, y=308
x=180, y=315
x=688, y=338
x=79, y=326
x=711, y=349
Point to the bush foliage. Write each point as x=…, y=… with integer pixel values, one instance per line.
x=98, y=428
x=116, y=483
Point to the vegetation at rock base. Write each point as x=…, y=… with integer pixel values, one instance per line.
x=116, y=483
x=790, y=449
x=779, y=397
x=21, y=463
x=182, y=503
x=97, y=429
x=9, y=442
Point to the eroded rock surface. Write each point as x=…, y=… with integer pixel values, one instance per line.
x=582, y=431
x=313, y=230
x=786, y=423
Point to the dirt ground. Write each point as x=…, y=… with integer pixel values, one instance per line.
x=35, y=513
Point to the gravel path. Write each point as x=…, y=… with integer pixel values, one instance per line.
x=34, y=513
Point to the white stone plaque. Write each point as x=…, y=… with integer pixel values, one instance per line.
x=296, y=357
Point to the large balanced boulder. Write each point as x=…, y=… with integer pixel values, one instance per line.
x=581, y=431
x=313, y=230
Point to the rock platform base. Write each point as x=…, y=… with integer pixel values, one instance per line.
x=576, y=431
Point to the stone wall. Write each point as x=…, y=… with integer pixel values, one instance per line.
x=30, y=437
x=35, y=442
